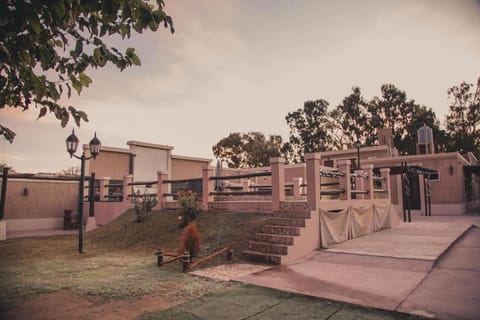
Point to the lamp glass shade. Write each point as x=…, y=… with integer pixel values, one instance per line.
x=358, y=144
x=95, y=146
x=72, y=143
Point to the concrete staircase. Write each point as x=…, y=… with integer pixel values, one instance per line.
x=280, y=235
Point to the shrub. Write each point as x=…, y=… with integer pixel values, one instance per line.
x=190, y=206
x=143, y=204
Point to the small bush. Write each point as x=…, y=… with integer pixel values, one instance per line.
x=144, y=203
x=190, y=206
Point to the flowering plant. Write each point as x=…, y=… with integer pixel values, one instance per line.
x=190, y=206
x=143, y=204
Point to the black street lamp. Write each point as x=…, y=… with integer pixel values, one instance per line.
x=358, y=145
x=72, y=144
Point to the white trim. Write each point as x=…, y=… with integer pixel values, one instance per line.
x=176, y=157
x=33, y=224
x=149, y=145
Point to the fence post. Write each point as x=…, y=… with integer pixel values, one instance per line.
x=278, y=182
x=368, y=185
x=127, y=189
x=296, y=186
x=313, y=180
x=3, y=225
x=345, y=182
x=162, y=188
x=207, y=186
x=385, y=172
x=104, y=182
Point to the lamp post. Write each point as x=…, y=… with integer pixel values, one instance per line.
x=72, y=144
x=358, y=145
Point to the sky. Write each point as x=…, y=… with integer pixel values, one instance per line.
x=242, y=65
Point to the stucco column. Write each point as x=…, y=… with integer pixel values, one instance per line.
x=345, y=182
x=207, y=187
x=277, y=166
x=127, y=190
x=3, y=230
x=104, y=188
x=368, y=185
x=162, y=188
x=313, y=180
x=245, y=185
x=385, y=172
x=296, y=186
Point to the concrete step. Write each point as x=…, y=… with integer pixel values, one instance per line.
x=293, y=215
x=263, y=257
x=266, y=247
x=287, y=222
x=281, y=230
x=275, y=239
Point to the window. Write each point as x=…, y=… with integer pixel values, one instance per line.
x=434, y=176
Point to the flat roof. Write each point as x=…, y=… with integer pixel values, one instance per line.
x=191, y=158
x=149, y=145
x=110, y=149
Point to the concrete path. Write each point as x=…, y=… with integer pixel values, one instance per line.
x=452, y=289
x=397, y=269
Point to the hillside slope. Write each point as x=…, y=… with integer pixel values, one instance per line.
x=161, y=230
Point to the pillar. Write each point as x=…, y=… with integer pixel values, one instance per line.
x=104, y=188
x=296, y=186
x=127, y=190
x=385, y=172
x=162, y=188
x=368, y=184
x=278, y=182
x=345, y=182
x=313, y=180
x=207, y=187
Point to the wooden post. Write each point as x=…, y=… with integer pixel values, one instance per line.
x=159, y=257
x=185, y=261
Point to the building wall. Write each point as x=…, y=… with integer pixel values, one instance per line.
x=113, y=164
x=183, y=168
x=43, y=207
x=149, y=159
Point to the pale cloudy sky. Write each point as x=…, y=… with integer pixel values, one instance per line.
x=242, y=65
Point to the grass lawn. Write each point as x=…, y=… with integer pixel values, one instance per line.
x=118, y=264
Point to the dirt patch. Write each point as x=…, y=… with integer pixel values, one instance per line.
x=68, y=305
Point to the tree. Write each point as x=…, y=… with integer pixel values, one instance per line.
x=248, y=150
x=423, y=116
x=46, y=48
x=352, y=117
x=392, y=110
x=311, y=129
x=463, y=118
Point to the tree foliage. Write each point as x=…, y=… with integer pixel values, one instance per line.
x=353, y=118
x=248, y=150
x=46, y=48
x=316, y=128
x=311, y=129
x=463, y=118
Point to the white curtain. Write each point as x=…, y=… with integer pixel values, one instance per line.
x=350, y=223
